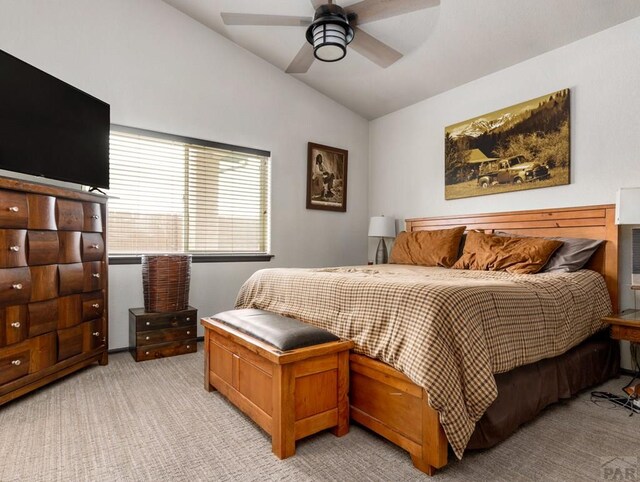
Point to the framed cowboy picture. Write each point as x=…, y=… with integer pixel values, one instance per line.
x=326, y=178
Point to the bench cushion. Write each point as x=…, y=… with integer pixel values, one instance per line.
x=277, y=330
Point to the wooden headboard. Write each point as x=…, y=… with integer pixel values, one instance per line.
x=593, y=222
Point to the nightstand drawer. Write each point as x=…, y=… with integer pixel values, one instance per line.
x=153, y=321
x=166, y=349
x=625, y=333
x=165, y=335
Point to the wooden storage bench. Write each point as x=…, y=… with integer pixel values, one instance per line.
x=292, y=389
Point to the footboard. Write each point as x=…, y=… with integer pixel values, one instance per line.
x=387, y=402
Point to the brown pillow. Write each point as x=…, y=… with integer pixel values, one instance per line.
x=427, y=248
x=499, y=253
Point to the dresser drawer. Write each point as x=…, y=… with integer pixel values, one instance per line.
x=166, y=349
x=69, y=215
x=71, y=278
x=29, y=356
x=92, y=247
x=42, y=212
x=15, y=286
x=92, y=305
x=70, y=342
x=69, y=311
x=13, y=253
x=13, y=209
x=93, y=276
x=164, y=335
x=43, y=247
x=14, y=363
x=152, y=321
x=70, y=250
x=92, y=217
x=95, y=335
x=13, y=324
x=43, y=317
x=44, y=282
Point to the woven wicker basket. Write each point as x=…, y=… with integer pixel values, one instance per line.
x=165, y=282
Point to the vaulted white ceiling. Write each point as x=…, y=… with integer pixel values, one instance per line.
x=443, y=47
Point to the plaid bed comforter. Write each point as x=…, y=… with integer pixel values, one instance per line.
x=448, y=330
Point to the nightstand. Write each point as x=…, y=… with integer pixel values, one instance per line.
x=625, y=325
x=158, y=335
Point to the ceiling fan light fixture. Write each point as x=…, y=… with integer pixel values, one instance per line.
x=330, y=33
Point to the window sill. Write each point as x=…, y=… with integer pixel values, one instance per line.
x=198, y=258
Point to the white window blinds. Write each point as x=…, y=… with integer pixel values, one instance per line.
x=173, y=194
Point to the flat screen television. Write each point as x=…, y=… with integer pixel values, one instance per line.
x=49, y=128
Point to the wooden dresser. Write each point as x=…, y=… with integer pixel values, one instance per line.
x=159, y=335
x=53, y=284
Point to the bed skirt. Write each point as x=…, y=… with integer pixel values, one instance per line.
x=527, y=390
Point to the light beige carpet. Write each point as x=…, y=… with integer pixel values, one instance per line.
x=154, y=421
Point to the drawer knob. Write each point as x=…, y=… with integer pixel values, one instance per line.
x=146, y=352
x=188, y=346
x=188, y=332
x=96, y=305
x=17, y=286
x=94, y=216
x=16, y=362
x=16, y=324
x=148, y=323
x=146, y=337
x=95, y=246
x=95, y=275
x=15, y=249
x=14, y=209
x=188, y=318
x=96, y=333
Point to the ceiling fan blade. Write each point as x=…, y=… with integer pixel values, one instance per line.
x=372, y=10
x=302, y=61
x=376, y=51
x=258, y=19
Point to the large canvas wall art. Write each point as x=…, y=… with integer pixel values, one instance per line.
x=524, y=146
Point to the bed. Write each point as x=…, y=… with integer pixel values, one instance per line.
x=388, y=400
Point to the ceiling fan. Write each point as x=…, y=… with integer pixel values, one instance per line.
x=332, y=28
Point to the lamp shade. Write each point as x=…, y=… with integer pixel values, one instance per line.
x=382, y=227
x=628, y=205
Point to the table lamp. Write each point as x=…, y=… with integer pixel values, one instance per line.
x=628, y=212
x=382, y=227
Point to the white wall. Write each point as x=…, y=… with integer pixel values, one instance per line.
x=406, y=169
x=163, y=71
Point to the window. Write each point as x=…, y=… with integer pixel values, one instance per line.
x=174, y=194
